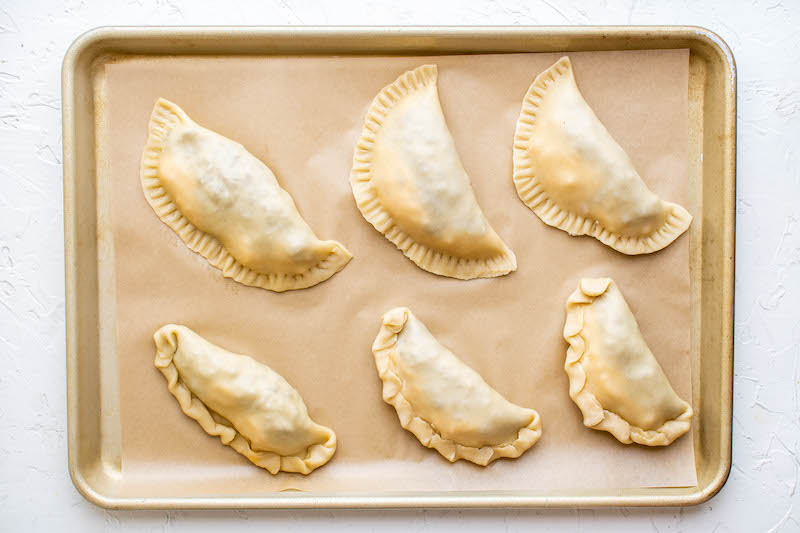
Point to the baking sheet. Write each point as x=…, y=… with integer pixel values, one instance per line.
x=302, y=117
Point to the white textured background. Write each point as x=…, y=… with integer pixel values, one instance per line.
x=35, y=489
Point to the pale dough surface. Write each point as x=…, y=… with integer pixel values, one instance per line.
x=443, y=402
x=574, y=176
x=228, y=206
x=614, y=378
x=249, y=406
x=410, y=184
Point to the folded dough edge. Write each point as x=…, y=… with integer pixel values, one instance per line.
x=533, y=194
x=383, y=348
x=165, y=117
x=594, y=416
x=316, y=455
x=369, y=203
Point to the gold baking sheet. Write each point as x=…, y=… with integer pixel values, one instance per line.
x=309, y=112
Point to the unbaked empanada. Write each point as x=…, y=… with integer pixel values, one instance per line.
x=245, y=403
x=227, y=206
x=409, y=183
x=613, y=376
x=442, y=401
x=575, y=177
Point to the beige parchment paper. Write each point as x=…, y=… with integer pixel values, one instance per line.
x=302, y=116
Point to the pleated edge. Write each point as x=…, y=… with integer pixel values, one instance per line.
x=193, y=407
x=369, y=203
x=385, y=349
x=533, y=194
x=594, y=415
x=166, y=115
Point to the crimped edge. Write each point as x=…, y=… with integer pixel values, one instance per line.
x=384, y=349
x=594, y=415
x=369, y=203
x=166, y=339
x=165, y=117
x=534, y=195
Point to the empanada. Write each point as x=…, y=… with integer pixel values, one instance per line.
x=227, y=206
x=409, y=183
x=245, y=403
x=575, y=177
x=613, y=376
x=442, y=401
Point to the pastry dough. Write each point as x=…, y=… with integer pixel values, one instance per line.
x=409, y=183
x=575, y=177
x=245, y=403
x=442, y=401
x=613, y=376
x=227, y=206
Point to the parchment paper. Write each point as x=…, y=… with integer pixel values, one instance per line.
x=302, y=117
